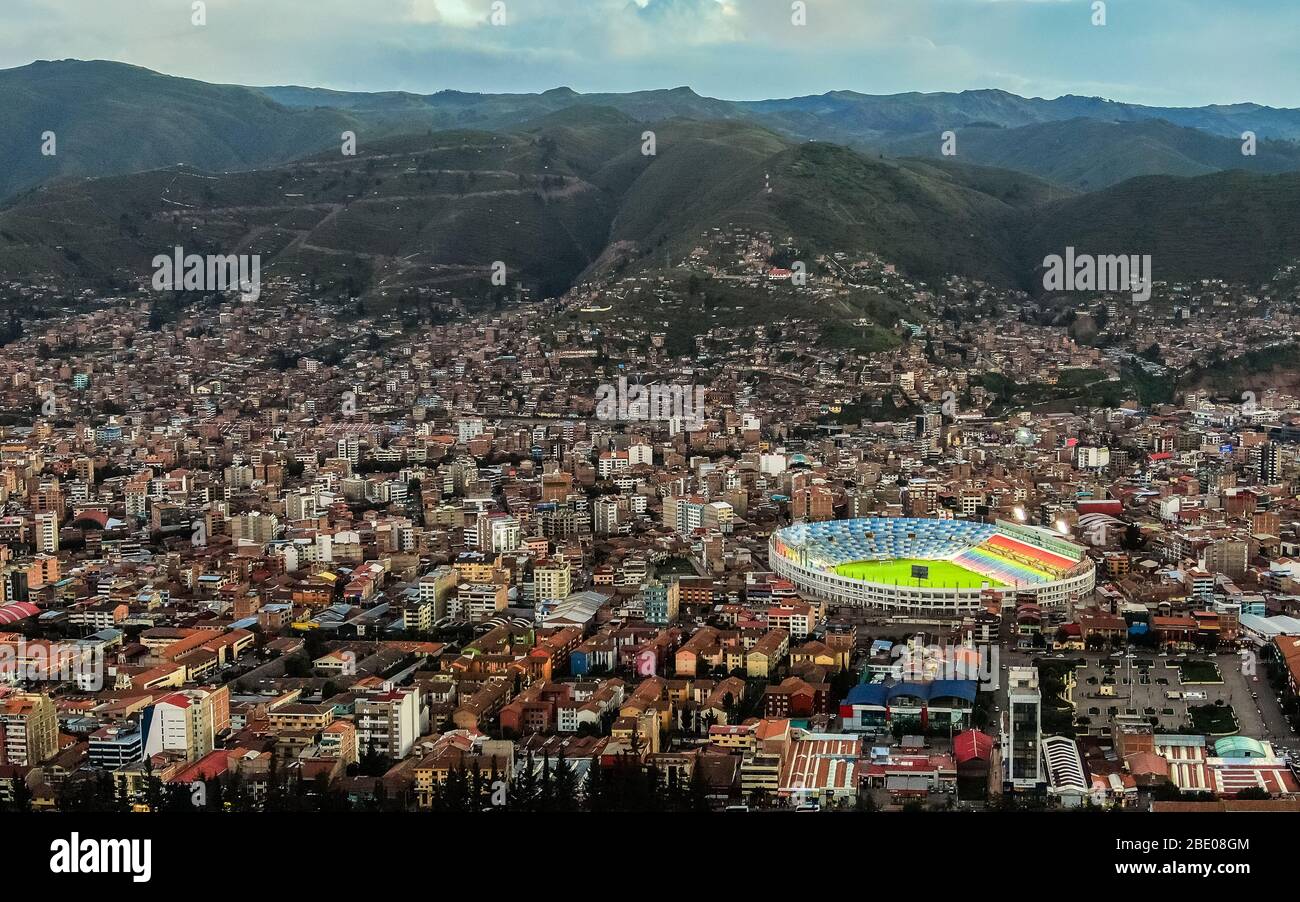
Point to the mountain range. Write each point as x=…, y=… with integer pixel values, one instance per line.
x=556, y=185
x=112, y=118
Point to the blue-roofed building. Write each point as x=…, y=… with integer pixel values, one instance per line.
x=876, y=707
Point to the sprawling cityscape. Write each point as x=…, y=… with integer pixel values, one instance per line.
x=645, y=453
x=427, y=567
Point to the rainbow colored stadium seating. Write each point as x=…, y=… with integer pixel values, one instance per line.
x=989, y=563
x=1052, y=563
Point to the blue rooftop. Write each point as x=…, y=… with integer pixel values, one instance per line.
x=884, y=693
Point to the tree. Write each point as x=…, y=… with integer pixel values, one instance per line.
x=1166, y=792
x=594, y=794
x=1133, y=540
x=456, y=789
x=153, y=789
x=673, y=791
x=566, y=785
x=373, y=763
x=215, y=794
x=274, y=800
x=546, y=789
x=523, y=790
x=698, y=793
x=176, y=798
x=22, y=794
x=121, y=795
x=476, y=787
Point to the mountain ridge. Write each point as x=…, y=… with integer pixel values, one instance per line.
x=572, y=196
x=92, y=105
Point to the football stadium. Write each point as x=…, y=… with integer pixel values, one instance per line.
x=919, y=565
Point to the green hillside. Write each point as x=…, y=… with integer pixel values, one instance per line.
x=110, y=118
x=1082, y=142
x=571, y=194
x=1087, y=154
x=401, y=214
x=1230, y=225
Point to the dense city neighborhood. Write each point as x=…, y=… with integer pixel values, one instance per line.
x=267, y=556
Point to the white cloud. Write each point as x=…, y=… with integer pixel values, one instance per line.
x=454, y=13
x=1177, y=51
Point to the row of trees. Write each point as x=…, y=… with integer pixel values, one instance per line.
x=551, y=785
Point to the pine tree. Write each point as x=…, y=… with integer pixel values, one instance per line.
x=456, y=790
x=22, y=802
x=153, y=788
x=476, y=789
x=546, y=791
x=274, y=788
x=594, y=789
x=299, y=802
x=566, y=785
x=653, y=798
x=241, y=800
x=176, y=798
x=672, y=793
x=699, y=789
x=493, y=779
x=121, y=795
x=104, y=792
x=523, y=790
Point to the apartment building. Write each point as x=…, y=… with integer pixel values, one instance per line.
x=29, y=729
x=183, y=722
x=389, y=720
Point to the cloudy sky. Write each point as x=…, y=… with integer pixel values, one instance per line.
x=1162, y=52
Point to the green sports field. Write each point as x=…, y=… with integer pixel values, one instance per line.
x=943, y=574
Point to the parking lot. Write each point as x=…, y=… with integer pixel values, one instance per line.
x=1148, y=686
x=1141, y=686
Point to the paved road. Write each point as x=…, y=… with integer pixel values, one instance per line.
x=1260, y=718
